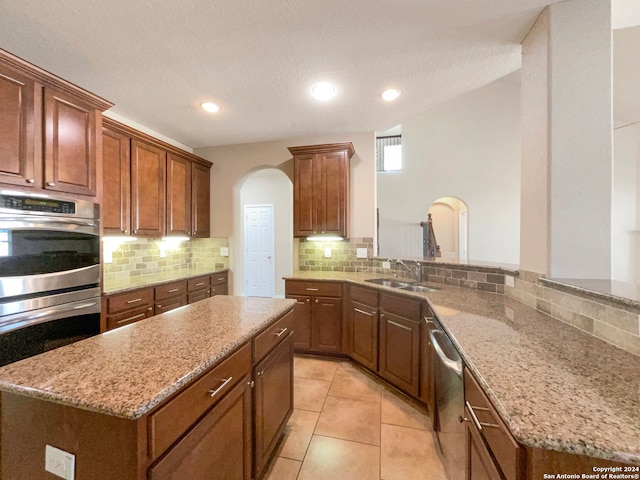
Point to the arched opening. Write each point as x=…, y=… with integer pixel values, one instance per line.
x=258, y=192
x=449, y=217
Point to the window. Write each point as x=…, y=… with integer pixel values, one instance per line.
x=389, y=154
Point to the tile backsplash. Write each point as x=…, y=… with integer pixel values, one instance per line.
x=146, y=256
x=615, y=323
x=311, y=255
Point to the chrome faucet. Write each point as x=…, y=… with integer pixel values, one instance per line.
x=417, y=274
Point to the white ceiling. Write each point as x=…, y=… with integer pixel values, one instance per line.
x=158, y=59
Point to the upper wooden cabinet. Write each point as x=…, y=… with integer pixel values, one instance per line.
x=321, y=189
x=152, y=189
x=200, y=197
x=148, y=177
x=178, y=195
x=49, y=130
x=116, y=182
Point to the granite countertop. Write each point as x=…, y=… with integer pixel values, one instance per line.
x=554, y=386
x=128, y=371
x=132, y=283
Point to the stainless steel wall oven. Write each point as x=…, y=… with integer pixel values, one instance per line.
x=49, y=273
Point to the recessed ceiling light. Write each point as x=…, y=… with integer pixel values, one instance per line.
x=390, y=94
x=210, y=107
x=324, y=91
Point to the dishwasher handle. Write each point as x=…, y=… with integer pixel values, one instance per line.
x=454, y=364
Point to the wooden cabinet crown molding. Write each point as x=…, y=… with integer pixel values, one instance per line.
x=323, y=148
x=50, y=80
x=130, y=131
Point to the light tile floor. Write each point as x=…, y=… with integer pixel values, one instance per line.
x=346, y=425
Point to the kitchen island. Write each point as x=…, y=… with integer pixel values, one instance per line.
x=119, y=400
x=563, y=394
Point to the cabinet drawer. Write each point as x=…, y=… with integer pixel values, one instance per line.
x=219, y=278
x=169, y=290
x=325, y=289
x=173, y=419
x=130, y=316
x=199, y=295
x=400, y=305
x=125, y=301
x=268, y=339
x=219, y=290
x=506, y=450
x=367, y=296
x=199, y=283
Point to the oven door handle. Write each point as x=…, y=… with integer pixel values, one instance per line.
x=35, y=220
x=25, y=319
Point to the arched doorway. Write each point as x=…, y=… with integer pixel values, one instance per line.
x=263, y=187
x=449, y=217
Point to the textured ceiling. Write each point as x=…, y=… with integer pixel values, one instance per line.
x=158, y=59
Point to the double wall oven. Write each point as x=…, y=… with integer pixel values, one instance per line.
x=49, y=273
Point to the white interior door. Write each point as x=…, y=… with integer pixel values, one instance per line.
x=259, y=253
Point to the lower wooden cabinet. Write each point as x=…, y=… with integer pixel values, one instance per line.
x=170, y=296
x=128, y=307
x=218, y=447
x=363, y=319
x=273, y=401
x=318, y=315
x=399, y=347
x=480, y=465
x=219, y=284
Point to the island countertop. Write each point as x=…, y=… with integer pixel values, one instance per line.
x=128, y=371
x=554, y=386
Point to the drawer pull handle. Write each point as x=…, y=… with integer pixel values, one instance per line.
x=311, y=289
x=282, y=330
x=225, y=381
x=364, y=313
x=135, y=317
x=480, y=425
x=134, y=300
x=199, y=284
x=173, y=290
x=221, y=279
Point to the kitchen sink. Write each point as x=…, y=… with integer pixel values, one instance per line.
x=387, y=282
x=392, y=282
x=418, y=288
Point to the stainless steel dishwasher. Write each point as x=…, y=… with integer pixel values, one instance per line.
x=449, y=403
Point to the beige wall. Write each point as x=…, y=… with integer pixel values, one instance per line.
x=468, y=148
x=232, y=162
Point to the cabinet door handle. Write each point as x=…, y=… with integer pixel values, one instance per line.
x=308, y=300
x=261, y=373
x=31, y=180
x=281, y=332
x=134, y=300
x=140, y=315
x=225, y=381
x=251, y=383
x=364, y=313
x=399, y=325
x=173, y=290
x=317, y=301
x=478, y=423
x=311, y=289
x=51, y=184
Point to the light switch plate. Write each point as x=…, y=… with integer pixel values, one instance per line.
x=509, y=281
x=59, y=462
x=361, y=253
x=224, y=251
x=386, y=264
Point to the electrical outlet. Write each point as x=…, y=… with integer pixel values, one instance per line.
x=327, y=252
x=509, y=281
x=224, y=251
x=59, y=462
x=361, y=253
